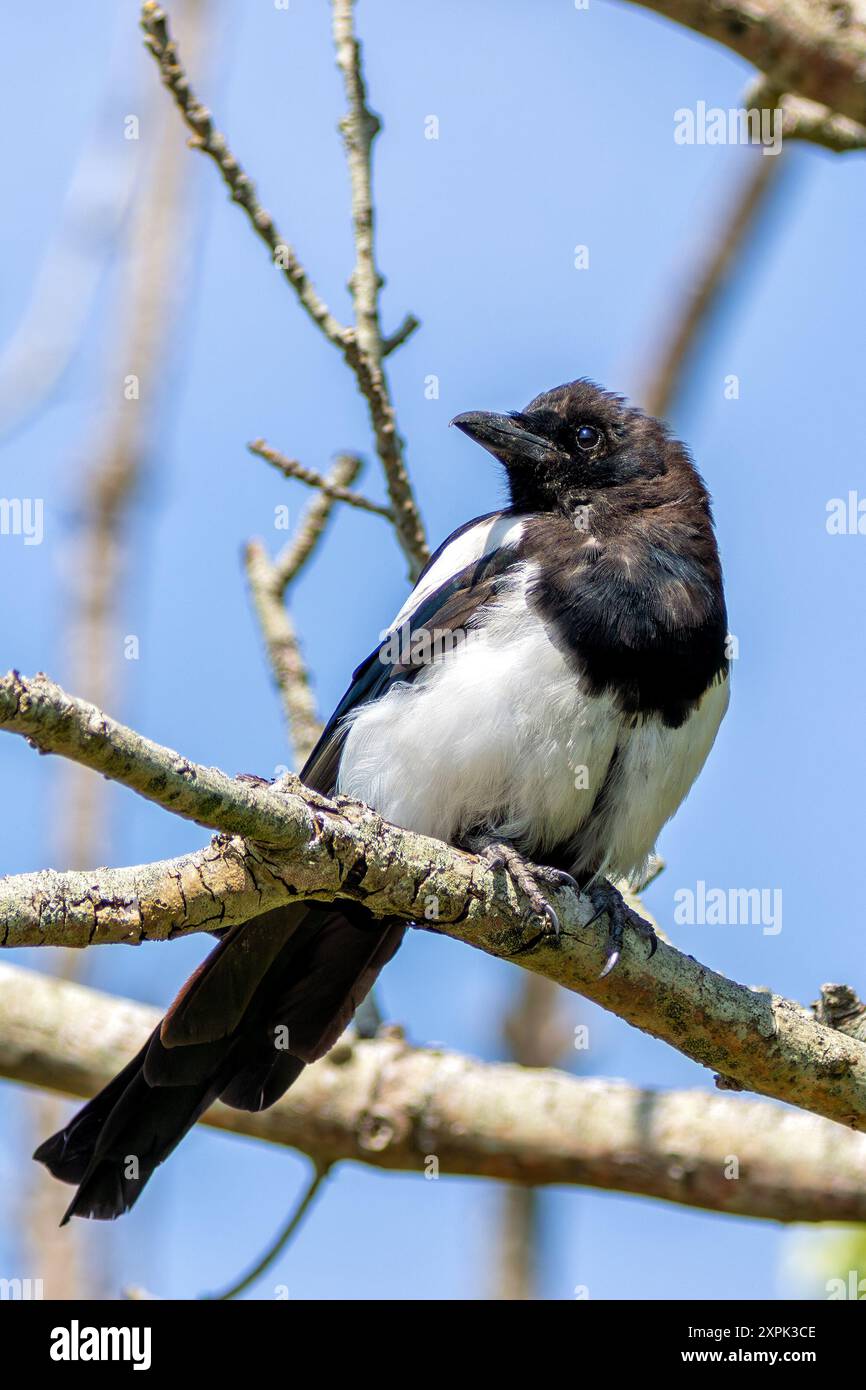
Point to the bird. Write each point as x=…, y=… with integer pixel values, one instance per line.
x=545, y=698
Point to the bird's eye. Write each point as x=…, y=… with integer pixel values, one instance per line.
x=588, y=437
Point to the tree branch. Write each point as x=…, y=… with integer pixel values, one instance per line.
x=302, y=845
x=359, y=128
x=812, y=48
x=286, y=661
x=389, y=1105
x=707, y=287
x=360, y=346
x=268, y=581
x=291, y=468
x=400, y=335
x=205, y=137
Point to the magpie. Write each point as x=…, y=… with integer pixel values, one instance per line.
x=545, y=698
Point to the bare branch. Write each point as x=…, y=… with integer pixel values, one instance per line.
x=812, y=48
x=205, y=137
x=278, y=1246
x=54, y=722
x=291, y=468
x=284, y=652
x=804, y=120
x=392, y=1106
x=297, y=552
x=537, y=1034
x=269, y=581
x=363, y=357
x=305, y=846
x=710, y=282
x=359, y=129
x=400, y=335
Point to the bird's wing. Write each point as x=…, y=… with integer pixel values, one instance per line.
x=461, y=577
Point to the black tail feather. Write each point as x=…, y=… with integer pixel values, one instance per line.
x=275, y=994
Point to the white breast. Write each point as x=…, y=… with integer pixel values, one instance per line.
x=499, y=732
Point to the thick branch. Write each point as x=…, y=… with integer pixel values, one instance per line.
x=812, y=48
x=309, y=847
x=54, y=722
x=389, y=1105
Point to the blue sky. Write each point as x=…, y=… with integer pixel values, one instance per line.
x=555, y=129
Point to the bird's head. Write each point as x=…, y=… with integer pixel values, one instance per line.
x=570, y=444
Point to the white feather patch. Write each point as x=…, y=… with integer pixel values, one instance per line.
x=499, y=733
x=474, y=543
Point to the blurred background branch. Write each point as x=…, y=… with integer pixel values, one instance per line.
x=384, y=1103
x=151, y=198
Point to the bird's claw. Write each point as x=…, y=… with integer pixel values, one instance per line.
x=605, y=898
x=558, y=878
x=525, y=876
x=545, y=914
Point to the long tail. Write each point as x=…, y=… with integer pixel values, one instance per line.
x=274, y=994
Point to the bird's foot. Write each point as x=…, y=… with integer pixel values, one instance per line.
x=606, y=898
x=526, y=877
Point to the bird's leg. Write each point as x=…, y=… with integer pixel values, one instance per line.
x=499, y=854
x=606, y=898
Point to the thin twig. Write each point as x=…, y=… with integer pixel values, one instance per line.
x=287, y=664
x=274, y=1251
x=291, y=468
x=400, y=335
x=268, y=582
x=297, y=552
x=359, y=128
x=205, y=137
x=365, y=364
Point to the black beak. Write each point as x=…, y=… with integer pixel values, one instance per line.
x=507, y=438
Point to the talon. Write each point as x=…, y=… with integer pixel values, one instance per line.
x=558, y=877
x=605, y=898
x=552, y=918
x=525, y=877
x=610, y=963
